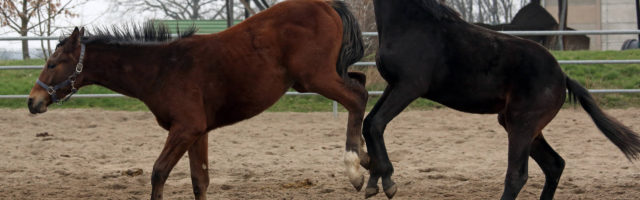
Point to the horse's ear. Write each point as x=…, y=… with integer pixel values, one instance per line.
x=73, y=40
x=81, y=32
x=75, y=34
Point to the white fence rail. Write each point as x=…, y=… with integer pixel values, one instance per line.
x=371, y=93
x=562, y=62
x=579, y=32
x=518, y=33
x=375, y=93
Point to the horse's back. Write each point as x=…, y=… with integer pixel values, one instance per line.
x=468, y=68
x=491, y=69
x=249, y=63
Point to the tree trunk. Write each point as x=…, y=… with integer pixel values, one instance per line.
x=562, y=16
x=470, y=17
x=230, y=18
x=25, y=47
x=24, y=24
x=49, y=33
x=42, y=33
x=247, y=8
x=563, y=12
x=195, y=10
x=496, y=14
x=480, y=13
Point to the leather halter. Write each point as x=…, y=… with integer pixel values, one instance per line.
x=51, y=89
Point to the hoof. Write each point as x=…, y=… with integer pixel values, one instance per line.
x=391, y=191
x=358, y=183
x=369, y=192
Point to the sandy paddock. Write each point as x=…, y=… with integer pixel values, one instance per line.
x=439, y=154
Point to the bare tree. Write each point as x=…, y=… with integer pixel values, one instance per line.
x=180, y=9
x=174, y=9
x=46, y=16
x=19, y=16
x=190, y=9
x=363, y=11
x=486, y=11
x=465, y=7
x=507, y=7
x=247, y=6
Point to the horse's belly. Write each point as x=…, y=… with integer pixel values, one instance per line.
x=243, y=103
x=480, y=103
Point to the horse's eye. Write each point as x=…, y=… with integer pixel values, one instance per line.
x=51, y=66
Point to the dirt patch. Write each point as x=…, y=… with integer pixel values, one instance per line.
x=439, y=154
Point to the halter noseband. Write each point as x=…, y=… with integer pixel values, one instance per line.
x=70, y=81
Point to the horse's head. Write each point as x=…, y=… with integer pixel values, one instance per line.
x=57, y=81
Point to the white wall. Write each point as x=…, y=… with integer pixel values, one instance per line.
x=600, y=15
x=616, y=15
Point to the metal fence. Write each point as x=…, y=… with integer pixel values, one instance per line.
x=579, y=32
x=374, y=93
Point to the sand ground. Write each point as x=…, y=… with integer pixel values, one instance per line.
x=438, y=154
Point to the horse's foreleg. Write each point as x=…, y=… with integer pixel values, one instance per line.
x=394, y=100
x=178, y=141
x=198, y=161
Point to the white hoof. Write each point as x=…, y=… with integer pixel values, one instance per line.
x=352, y=166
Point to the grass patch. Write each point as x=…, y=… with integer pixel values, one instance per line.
x=604, y=76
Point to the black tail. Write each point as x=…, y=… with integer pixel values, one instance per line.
x=352, y=48
x=623, y=137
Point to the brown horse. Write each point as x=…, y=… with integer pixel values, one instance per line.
x=201, y=82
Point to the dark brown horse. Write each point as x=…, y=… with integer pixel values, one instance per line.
x=427, y=51
x=201, y=82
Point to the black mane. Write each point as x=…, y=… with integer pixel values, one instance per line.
x=439, y=11
x=148, y=33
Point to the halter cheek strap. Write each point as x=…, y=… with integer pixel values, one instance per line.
x=70, y=81
x=52, y=89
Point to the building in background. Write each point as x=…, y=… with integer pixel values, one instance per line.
x=600, y=15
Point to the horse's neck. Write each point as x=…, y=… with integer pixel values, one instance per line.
x=384, y=11
x=391, y=15
x=131, y=71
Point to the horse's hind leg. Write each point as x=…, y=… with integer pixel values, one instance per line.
x=353, y=96
x=198, y=162
x=551, y=163
x=517, y=168
x=524, y=124
x=362, y=79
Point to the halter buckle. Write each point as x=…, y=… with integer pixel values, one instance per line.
x=79, y=68
x=51, y=90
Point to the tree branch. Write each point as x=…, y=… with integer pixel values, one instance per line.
x=247, y=7
x=8, y=18
x=52, y=16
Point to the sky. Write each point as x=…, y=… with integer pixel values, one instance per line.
x=92, y=13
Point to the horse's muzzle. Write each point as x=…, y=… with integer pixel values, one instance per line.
x=35, y=108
